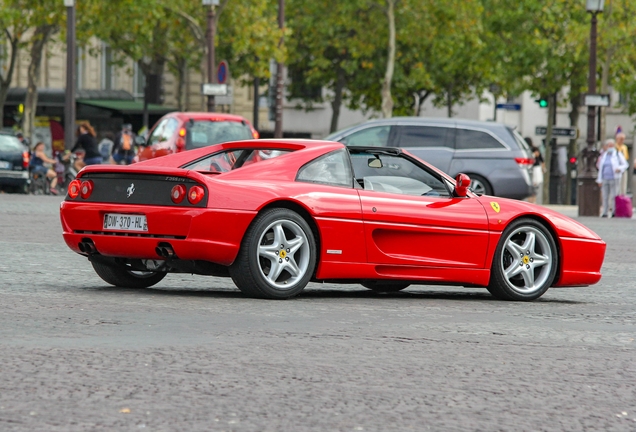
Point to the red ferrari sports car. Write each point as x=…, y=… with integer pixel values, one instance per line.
x=276, y=214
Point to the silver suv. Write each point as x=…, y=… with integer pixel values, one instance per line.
x=497, y=159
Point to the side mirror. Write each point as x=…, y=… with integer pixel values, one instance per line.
x=375, y=163
x=462, y=181
x=140, y=141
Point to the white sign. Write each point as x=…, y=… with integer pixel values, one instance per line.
x=228, y=99
x=211, y=2
x=597, y=100
x=209, y=89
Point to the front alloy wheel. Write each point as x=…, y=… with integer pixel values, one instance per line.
x=277, y=256
x=525, y=262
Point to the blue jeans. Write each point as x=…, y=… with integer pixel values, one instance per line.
x=93, y=161
x=118, y=157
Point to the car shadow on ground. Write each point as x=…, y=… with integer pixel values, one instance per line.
x=325, y=294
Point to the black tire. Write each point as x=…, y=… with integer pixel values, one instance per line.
x=385, y=286
x=517, y=274
x=121, y=276
x=479, y=184
x=264, y=269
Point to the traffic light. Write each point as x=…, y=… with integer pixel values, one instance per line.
x=542, y=101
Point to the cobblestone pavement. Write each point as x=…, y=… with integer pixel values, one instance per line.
x=193, y=355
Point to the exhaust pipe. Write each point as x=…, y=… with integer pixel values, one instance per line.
x=87, y=246
x=165, y=250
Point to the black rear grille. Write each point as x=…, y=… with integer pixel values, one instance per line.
x=130, y=234
x=148, y=189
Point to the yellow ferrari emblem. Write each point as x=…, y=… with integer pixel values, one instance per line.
x=283, y=254
x=526, y=259
x=495, y=206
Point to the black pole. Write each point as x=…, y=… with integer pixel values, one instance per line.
x=278, y=127
x=588, y=191
x=257, y=84
x=211, y=53
x=69, y=100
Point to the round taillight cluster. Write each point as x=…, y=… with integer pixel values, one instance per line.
x=74, y=188
x=195, y=194
x=178, y=193
x=80, y=188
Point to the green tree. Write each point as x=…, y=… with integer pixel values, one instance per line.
x=13, y=28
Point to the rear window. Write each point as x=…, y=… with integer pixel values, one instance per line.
x=233, y=159
x=423, y=136
x=10, y=143
x=205, y=133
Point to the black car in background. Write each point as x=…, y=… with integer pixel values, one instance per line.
x=14, y=164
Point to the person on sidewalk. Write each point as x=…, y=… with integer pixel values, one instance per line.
x=612, y=164
x=86, y=142
x=123, y=148
x=622, y=148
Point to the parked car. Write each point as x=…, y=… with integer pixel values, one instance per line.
x=179, y=131
x=14, y=163
x=495, y=156
x=275, y=214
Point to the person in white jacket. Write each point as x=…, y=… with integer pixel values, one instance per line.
x=610, y=169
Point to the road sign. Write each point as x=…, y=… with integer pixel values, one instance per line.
x=557, y=132
x=222, y=72
x=597, y=100
x=209, y=89
x=509, y=107
x=228, y=99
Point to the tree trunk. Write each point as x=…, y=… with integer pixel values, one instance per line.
x=182, y=68
x=420, y=97
x=387, y=99
x=5, y=80
x=38, y=43
x=337, y=100
x=449, y=103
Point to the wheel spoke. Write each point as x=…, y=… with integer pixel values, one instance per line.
x=279, y=235
x=528, y=277
x=540, y=260
x=292, y=268
x=275, y=271
x=295, y=244
x=528, y=244
x=515, y=250
x=513, y=270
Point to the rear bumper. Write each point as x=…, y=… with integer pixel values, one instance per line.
x=581, y=261
x=14, y=178
x=194, y=234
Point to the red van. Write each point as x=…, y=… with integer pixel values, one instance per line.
x=180, y=131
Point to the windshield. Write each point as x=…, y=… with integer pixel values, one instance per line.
x=232, y=159
x=205, y=133
x=10, y=143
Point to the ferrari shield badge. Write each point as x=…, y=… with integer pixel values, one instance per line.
x=495, y=206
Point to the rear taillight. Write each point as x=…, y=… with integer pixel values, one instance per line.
x=178, y=193
x=25, y=159
x=74, y=188
x=524, y=161
x=196, y=194
x=180, y=142
x=86, y=189
x=256, y=135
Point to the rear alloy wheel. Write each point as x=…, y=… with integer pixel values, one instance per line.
x=525, y=262
x=385, y=286
x=122, y=276
x=480, y=185
x=277, y=256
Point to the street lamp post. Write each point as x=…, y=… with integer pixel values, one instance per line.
x=210, y=37
x=69, y=100
x=588, y=190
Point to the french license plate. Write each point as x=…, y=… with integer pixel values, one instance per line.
x=5, y=165
x=125, y=222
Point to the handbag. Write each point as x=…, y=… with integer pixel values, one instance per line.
x=537, y=175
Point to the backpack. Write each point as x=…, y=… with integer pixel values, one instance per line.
x=126, y=142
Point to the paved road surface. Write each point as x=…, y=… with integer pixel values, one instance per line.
x=194, y=355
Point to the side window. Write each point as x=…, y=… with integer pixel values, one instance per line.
x=377, y=136
x=396, y=174
x=164, y=131
x=476, y=140
x=424, y=136
x=332, y=169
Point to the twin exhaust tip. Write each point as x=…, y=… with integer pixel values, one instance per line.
x=87, y=246
x=164, y=250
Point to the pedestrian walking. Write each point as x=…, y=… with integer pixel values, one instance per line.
x=612, y=164
x=123, y=147
x=86, y=141
x=106, y=148
x=622, y=148
x=538, y=170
